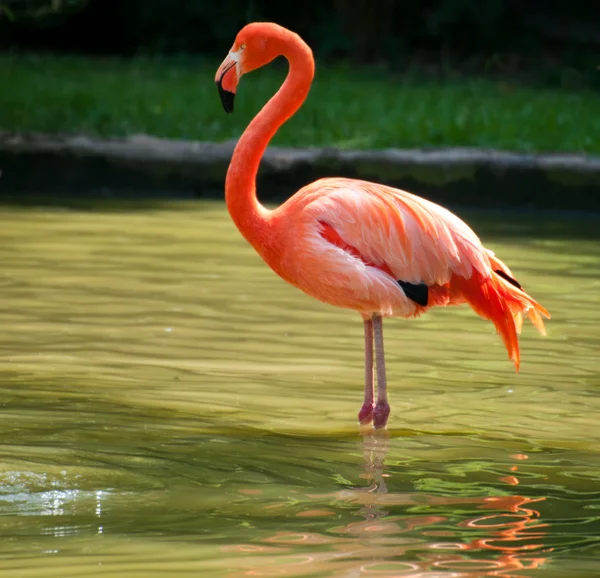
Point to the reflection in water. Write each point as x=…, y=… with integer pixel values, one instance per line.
x=509, y=541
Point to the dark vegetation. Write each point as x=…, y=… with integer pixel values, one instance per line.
x=550, y=41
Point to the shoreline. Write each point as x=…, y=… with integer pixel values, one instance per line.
x=60, y=164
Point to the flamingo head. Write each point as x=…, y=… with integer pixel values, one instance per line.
x=255, y=45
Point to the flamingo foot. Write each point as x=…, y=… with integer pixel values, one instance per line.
x=365, y=415
x=381, y=412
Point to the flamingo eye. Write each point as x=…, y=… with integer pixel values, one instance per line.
x=242, y=47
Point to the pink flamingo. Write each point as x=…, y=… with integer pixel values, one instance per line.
x=355, y=244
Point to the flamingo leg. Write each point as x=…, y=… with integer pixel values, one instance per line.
x=381, y=411
x=365, y=415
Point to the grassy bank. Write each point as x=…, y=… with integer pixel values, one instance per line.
x=177, y=98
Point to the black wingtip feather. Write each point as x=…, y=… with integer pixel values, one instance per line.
x=419, y=293
x=507, y=278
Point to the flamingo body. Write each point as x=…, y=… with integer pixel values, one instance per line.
x=348, y=243
x=380, y=251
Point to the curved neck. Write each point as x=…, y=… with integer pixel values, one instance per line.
x=249, y=216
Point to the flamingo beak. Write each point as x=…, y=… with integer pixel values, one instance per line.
x=226, y=79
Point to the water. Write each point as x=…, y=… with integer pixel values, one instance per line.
x=171, y=408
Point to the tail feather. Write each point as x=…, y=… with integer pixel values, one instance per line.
x=502, y=302
x=518, y=317
x=533, y=309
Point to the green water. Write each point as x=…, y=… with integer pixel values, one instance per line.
x=169, y=407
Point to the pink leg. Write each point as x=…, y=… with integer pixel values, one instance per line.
x=381, y=411
x=365, y=415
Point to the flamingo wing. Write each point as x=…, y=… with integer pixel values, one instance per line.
x=371, y=247
x=412, y=239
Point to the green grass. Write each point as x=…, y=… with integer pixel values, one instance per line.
x=177, y=98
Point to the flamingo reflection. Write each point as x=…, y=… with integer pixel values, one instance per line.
x=507, y=540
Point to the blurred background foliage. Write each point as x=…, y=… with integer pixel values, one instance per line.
x=543, y=38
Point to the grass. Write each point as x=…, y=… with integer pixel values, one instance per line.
x=177, y=98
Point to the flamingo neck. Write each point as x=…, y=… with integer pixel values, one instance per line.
x=251, y=218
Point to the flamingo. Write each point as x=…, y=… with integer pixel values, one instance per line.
x=359, y=245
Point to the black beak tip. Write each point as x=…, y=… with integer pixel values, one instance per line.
x=226, y=98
